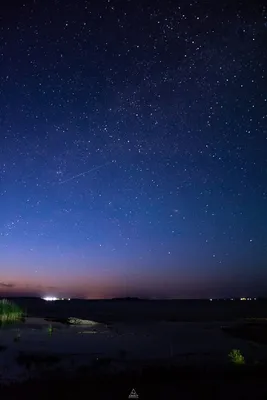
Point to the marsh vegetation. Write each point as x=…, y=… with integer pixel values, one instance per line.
x=10, y=312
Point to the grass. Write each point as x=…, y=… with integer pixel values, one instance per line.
x=50, y=329
x=9, y=311
x=236, y=357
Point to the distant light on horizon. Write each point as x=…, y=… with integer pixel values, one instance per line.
x=50, y=298
x=247, y=298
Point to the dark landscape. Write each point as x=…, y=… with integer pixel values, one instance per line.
x=179, y=372
x=142, y=310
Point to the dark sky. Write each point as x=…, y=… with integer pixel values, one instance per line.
x=133, y=140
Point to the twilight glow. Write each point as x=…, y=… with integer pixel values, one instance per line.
x=133, y=149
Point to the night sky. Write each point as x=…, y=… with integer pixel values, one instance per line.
x=133, y=141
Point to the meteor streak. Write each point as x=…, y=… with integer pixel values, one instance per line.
x=84, y=173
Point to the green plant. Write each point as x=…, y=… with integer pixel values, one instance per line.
x=9, y=311
x=236, y=357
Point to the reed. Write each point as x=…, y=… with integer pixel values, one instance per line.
x=9, y=311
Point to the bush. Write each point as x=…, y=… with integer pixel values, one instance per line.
x=236, y=357
x=9, y=311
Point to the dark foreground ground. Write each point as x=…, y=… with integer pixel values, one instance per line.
x=152, y=382
x=238, y=382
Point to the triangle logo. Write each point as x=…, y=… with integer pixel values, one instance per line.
x=133, y=395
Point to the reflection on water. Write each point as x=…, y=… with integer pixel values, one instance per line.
x=6, y=324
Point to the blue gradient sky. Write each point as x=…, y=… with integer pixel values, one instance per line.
x=133, y=149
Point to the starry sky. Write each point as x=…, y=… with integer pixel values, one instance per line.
x=133, y=139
